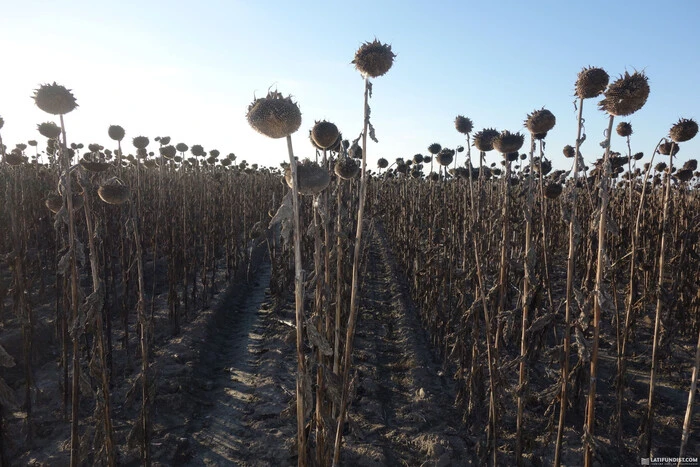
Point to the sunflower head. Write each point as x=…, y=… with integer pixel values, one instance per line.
x=54, y=99
x=198, y=150
x=382, y=163
x=483, y=140
x=49, y=130
x=540, y=122
x=463, y=124
x=324, y=134
x=507, y=142
x=669, y=148
x=624, y=129
x=445, y=156
x=626, y=95
x=374, y=59
x=274, y=116
x=434, y=148
x=685, y=129
x=346, y=168
x=140, y=142
x=168, y=151
x=591, y=82
x=116, y=132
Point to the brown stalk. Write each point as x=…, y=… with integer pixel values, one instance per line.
x=589, y=425
x=570, y=262
x=649, y=419
x=97, y=288
x=299, y=312
x=527, y=262
x=350, y=334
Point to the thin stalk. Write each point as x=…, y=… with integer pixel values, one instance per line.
x=527, y=282
x=570, y=263
x=299, y=311
x=646, y=449
x=97, y=288
x=602, y=230
x=350, y=334
x=144, y=324
x=75, y=399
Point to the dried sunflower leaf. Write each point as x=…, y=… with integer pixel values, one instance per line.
x=6, y=359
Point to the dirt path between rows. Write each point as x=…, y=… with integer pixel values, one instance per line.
x=241, y=381
x=403, y=413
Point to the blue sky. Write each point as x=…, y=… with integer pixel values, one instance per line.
x=190, y=69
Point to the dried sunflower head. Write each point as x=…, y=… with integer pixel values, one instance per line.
x=382, y=163
x=274, y=116
x=624, y=129
x=483, y=140
x=346, y=168
x=312, y=178
x=2, y=123
x=49, y=130
x=168, y=151
x=591, y=82
x=113, y=191
x=324, y=134
x=463, y=124
x=684, y=175
x=445, y=156
x=434, y=148
x=553, y=190
x=140, y=142
x=181, y=147
x=569, y=151
x=116, y=132
x=691, y=164
x=626, y=95
x=669, y=148
x=198, y=151
x=540, y=121
x=507, y=142
x=54, y=99
x=373, y=59
x=685, y=129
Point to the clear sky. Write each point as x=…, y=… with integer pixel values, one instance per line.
x=189, y=70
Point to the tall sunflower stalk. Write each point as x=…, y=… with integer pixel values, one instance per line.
x=372, y=59
x=623, y=97
x=278, y=117
x=590, y=83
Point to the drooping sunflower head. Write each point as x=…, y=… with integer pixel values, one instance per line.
x=140, y=142
x=49, y=130
x=507, y=142
x=374, y=59
x=54, y=99
x=274, y=116
x=463, y=124
x=685, y=129
x=624, y=129
x=540, y=121
x=116, y=132
x=324, y=134
x=591, y=82
x=626, y=95
x=483, y=140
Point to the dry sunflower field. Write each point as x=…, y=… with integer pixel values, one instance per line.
x=161, y=304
